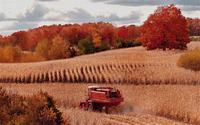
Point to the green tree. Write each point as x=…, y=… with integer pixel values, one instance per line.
x=86, y=46
x=104, y=46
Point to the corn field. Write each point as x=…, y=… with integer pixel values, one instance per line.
x=156, y=91
x=165, y=102
x=133, y=65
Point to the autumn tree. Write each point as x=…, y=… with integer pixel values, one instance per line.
x=2, y=40
x=133, y=33
x=59, y=48
x=72, y=33
x=109, y=34
x=123, y=33
x=96, y=38
x=23, y=40
x=166, y=28
x=128, y=36
x=10, y=54
x=42, y=48
x=194, y=26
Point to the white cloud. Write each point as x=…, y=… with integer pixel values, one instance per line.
x=29, y=19
x=47, y=0
x=35, y=13
x=190, y=8
x=2, y=16
x=22, y=25
x=150, y=2
x=80, y=16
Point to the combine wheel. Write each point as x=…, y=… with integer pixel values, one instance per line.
x=91, y=106
x=95, y=107
x=105, y=109
x=84, y=105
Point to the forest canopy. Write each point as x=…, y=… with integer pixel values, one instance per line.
x=69, y=40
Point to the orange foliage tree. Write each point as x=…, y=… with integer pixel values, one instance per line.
x=10, y=54
x=96, y=38
x=166, y=28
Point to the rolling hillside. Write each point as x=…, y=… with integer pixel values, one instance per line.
x=132, y=65
x=165, y=94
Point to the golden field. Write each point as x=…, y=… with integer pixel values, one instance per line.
x=132, y=65
x=178, y=102
x=156, y=90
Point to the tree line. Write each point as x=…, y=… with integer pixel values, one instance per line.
x=165, y=28
x=65, y=41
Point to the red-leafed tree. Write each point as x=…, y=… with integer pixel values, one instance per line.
x=166, y=28
x=23, y=39
x=1, y=40
x=130, y=33
x=123, y=33
x=72, y=33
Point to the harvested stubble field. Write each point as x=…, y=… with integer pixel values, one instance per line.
x=132, y=65
x=144, y=104
x=156, y=91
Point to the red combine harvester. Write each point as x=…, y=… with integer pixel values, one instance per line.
x=100, y=98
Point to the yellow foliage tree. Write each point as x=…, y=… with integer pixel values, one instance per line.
x=42, y=48
x=59, y=48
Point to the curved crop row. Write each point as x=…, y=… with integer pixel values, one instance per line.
x=105, y=73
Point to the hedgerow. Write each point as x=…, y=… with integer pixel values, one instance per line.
x=38, y=109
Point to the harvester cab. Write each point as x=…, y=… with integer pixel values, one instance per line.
x=100, y=98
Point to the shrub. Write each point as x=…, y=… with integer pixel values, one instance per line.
x=39, y=109
x=195, y=38
x=104, y=46
x=125, y=44
x=190, y=60
x=45, y=111
x=166, y=28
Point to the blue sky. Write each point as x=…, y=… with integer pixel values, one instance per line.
x=18, y=15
